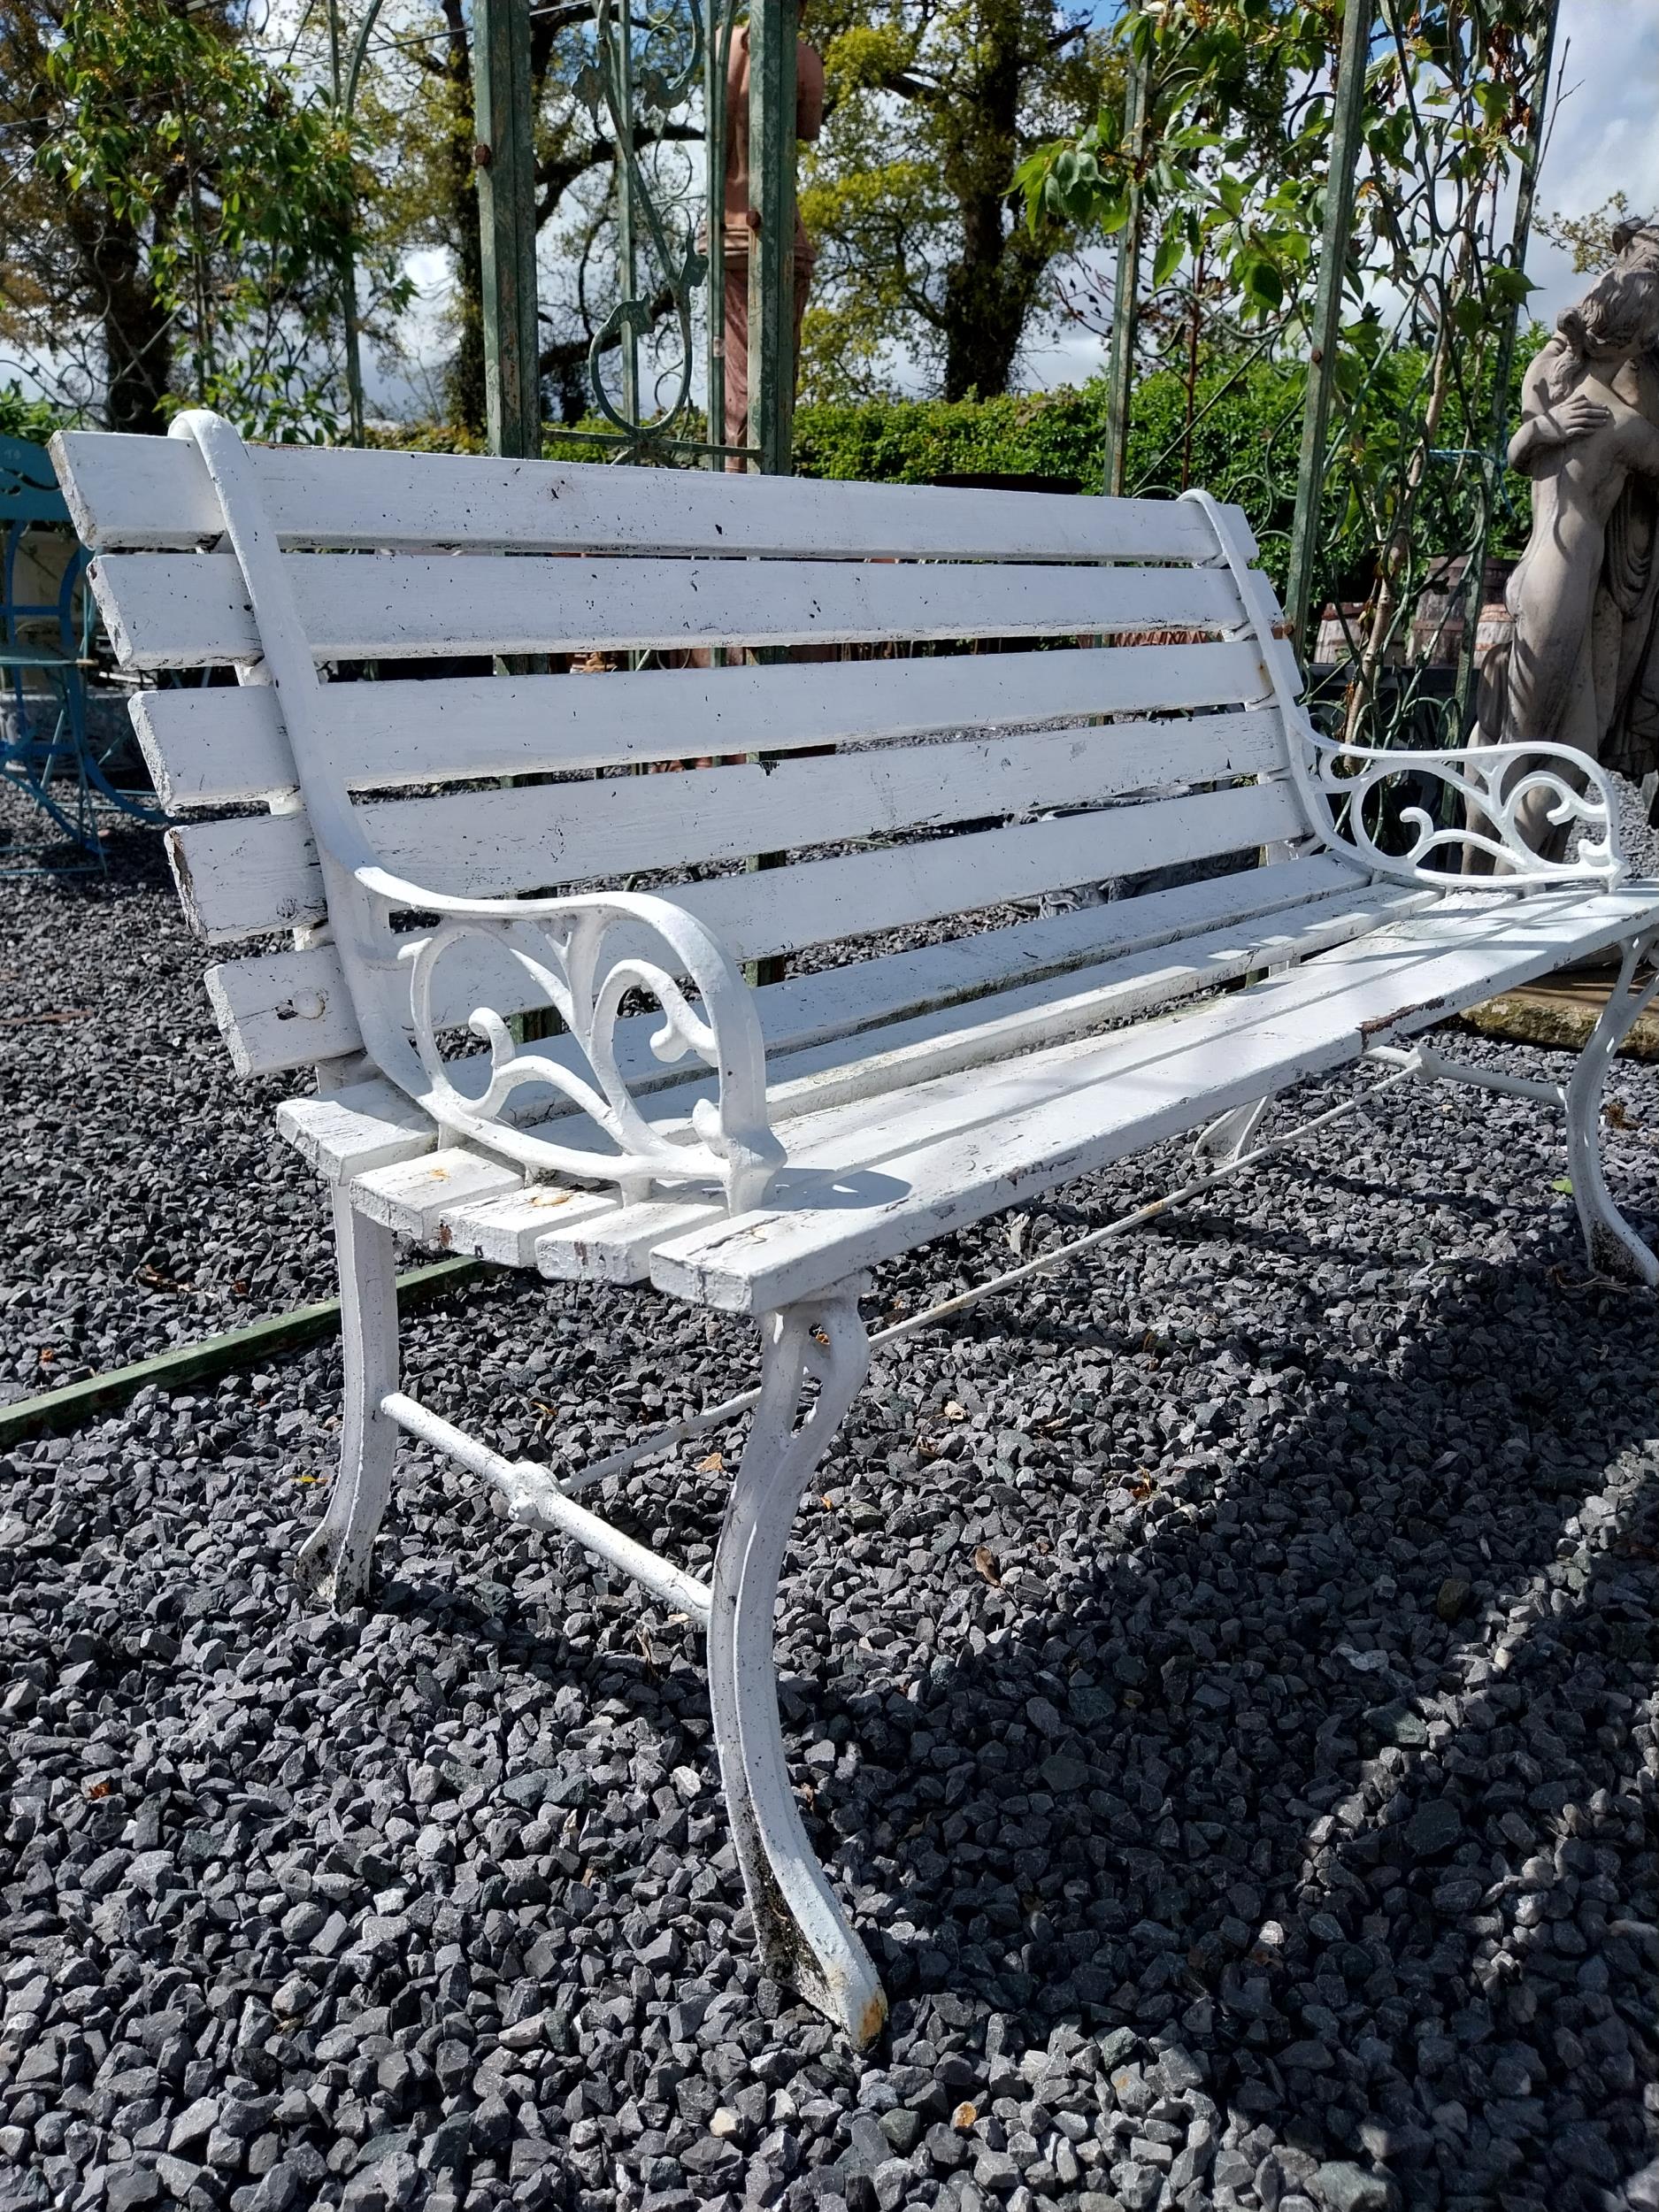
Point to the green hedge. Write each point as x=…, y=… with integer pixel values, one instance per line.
x=913, y=441
x=23, y=417
x=1244, y=444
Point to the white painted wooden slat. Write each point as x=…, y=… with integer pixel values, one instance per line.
x=258, y=999
x=508, y=1230
x=278, y=1010
x=217, y=746
x=245, y=877
x=950, y=1152
x=165, y=610
x=343, y=1133
x=496, y=842
x=412, y=1196
x=137, y=493
x=616, y=1247
x=1081, y=1001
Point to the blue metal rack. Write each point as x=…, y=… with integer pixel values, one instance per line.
x=47, y=750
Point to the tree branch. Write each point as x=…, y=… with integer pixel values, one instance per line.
x=557, y=175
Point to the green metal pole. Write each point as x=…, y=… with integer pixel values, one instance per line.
x=627, y=242
x=1327, y=313
x=773, y=31
x=1503, y=362
x=344, y=96
x=504, y=153
x=1120, y=367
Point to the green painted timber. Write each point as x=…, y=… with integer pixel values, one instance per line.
x=772, y=31
x=75, y=1402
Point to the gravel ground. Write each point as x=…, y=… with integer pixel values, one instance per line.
x=1222, y=1680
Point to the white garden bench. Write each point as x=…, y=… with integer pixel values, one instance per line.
x=758, y=1151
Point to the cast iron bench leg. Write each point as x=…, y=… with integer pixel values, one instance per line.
x=804, y=1935
x=335, y=1561
x=1613, y=1247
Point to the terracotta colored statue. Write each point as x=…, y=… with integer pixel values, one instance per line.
x=1583, y=666
x=741, y=219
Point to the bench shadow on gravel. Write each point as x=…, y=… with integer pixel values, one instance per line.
x=134, y=859
x=1270, y=1779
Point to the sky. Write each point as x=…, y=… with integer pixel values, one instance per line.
x=1605, y=136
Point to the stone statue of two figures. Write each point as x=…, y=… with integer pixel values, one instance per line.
x=1582, y=665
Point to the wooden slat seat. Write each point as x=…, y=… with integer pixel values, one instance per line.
x=949, y=1151
x=1222, y=928
x=1360, y=977
x=1040, y=908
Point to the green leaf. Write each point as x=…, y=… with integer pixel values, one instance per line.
x=1167, y=259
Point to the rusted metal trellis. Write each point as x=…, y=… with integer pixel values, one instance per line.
x=647, y=66
x=1407, y=333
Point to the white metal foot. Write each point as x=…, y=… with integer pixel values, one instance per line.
x=804, y=1936
x=1613, y=1245
x=335, y=1561
x=1226, y=1140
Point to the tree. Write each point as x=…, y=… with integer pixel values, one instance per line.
x=1593, y=239
x=176, y=215
x=931, y=106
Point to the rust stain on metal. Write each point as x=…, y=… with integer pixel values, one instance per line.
x=1401, y=1014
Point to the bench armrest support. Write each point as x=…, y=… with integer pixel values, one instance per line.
x=586, y=953
x=1493, y=782
x=562, y=943
x=1490, y=778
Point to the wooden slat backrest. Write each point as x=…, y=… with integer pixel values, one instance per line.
x=283, y=1011
x=213, y=747
x=167, y=611
x=500, y=558
x=246, y=876
x=134, y=495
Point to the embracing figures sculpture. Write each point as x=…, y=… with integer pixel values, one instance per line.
x=1582, y=667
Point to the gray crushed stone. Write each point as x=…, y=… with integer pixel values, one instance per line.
x=1220, y=1679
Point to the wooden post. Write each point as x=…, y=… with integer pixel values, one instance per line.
x=505, y=157
x=773, y=30
x=1120, y=367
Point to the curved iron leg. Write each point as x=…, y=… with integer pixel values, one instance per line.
x=335, y=1561
x=1613, y=1245
x=1228, y=1139
x=804, y=1936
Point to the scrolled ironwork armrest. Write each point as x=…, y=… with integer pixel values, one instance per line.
x=1485, y=778
x=561, y=944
